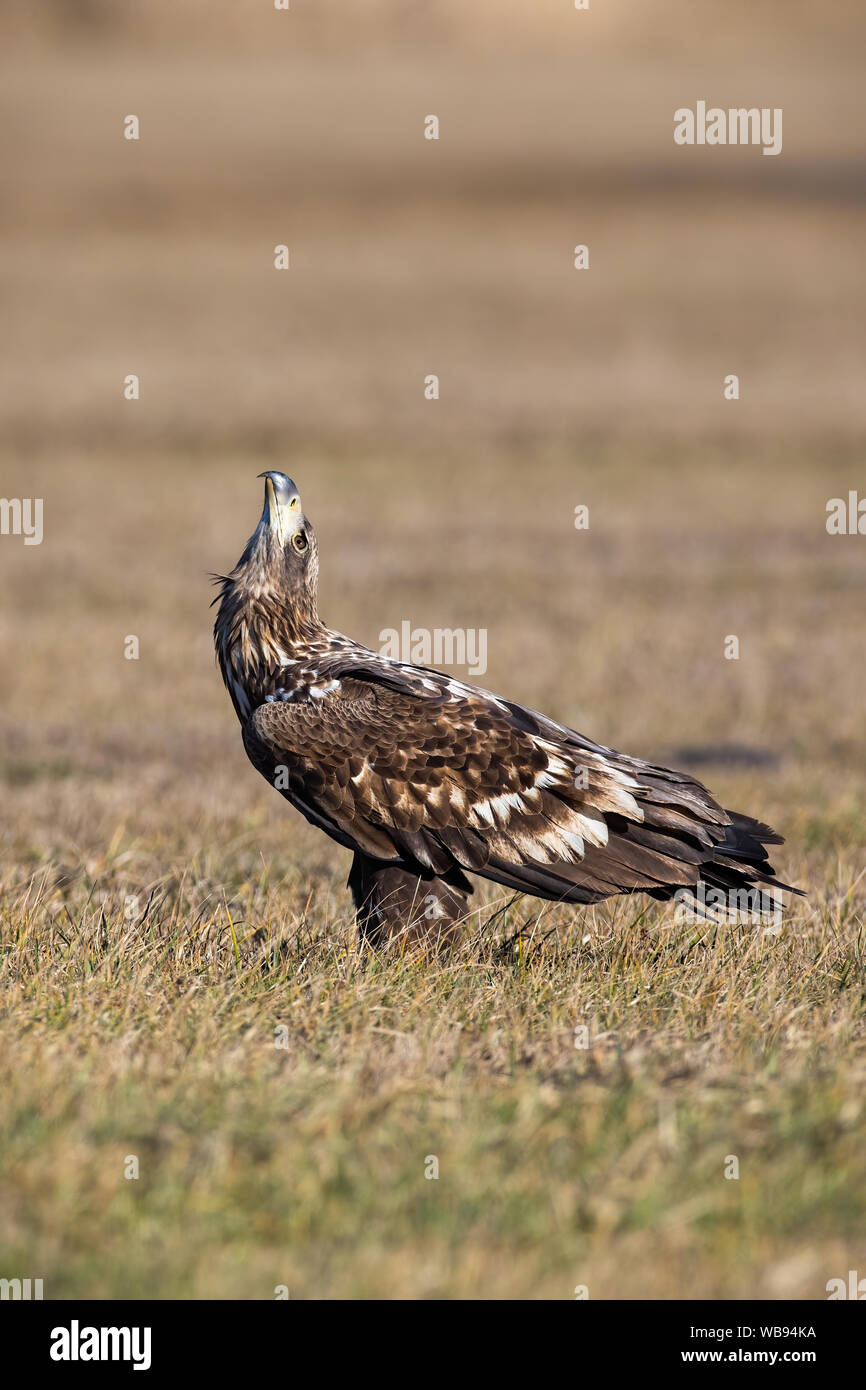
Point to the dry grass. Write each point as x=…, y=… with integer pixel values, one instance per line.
x=155, y=1037
x=135, y=1022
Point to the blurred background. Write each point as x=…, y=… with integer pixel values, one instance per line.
x=601, y=387
x=559, y=387
x=412, y=256
x=124, y=779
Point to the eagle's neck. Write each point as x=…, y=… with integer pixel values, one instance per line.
x=258, y=635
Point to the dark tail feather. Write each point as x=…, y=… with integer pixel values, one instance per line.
x=741, y=863
x=738, y=864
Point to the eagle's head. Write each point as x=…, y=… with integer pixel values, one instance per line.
x=280, y=564
x=268, y=604
x=282, y=554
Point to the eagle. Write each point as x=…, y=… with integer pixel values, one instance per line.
x=427, y=779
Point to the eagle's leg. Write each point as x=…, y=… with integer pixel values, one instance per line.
x=392, y=903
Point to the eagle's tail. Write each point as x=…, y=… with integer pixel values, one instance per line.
x=730, y=878
x=739, y=870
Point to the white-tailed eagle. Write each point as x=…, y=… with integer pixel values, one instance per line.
x=427, y=779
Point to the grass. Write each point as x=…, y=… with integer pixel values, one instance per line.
x=163, y=913
x=262, y=1165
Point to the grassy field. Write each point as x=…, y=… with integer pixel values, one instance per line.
x=162, y=911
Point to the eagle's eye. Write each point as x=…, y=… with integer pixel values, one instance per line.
x=300, y=542
x=295, y=504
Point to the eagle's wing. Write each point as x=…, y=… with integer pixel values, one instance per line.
x=411, y=767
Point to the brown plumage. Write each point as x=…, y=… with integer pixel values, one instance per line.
x=426, y=778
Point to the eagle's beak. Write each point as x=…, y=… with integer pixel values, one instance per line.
x=281, y=498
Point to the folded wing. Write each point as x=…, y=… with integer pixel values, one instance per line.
x=413, y=768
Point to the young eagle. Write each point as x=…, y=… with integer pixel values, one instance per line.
x=424, y=777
